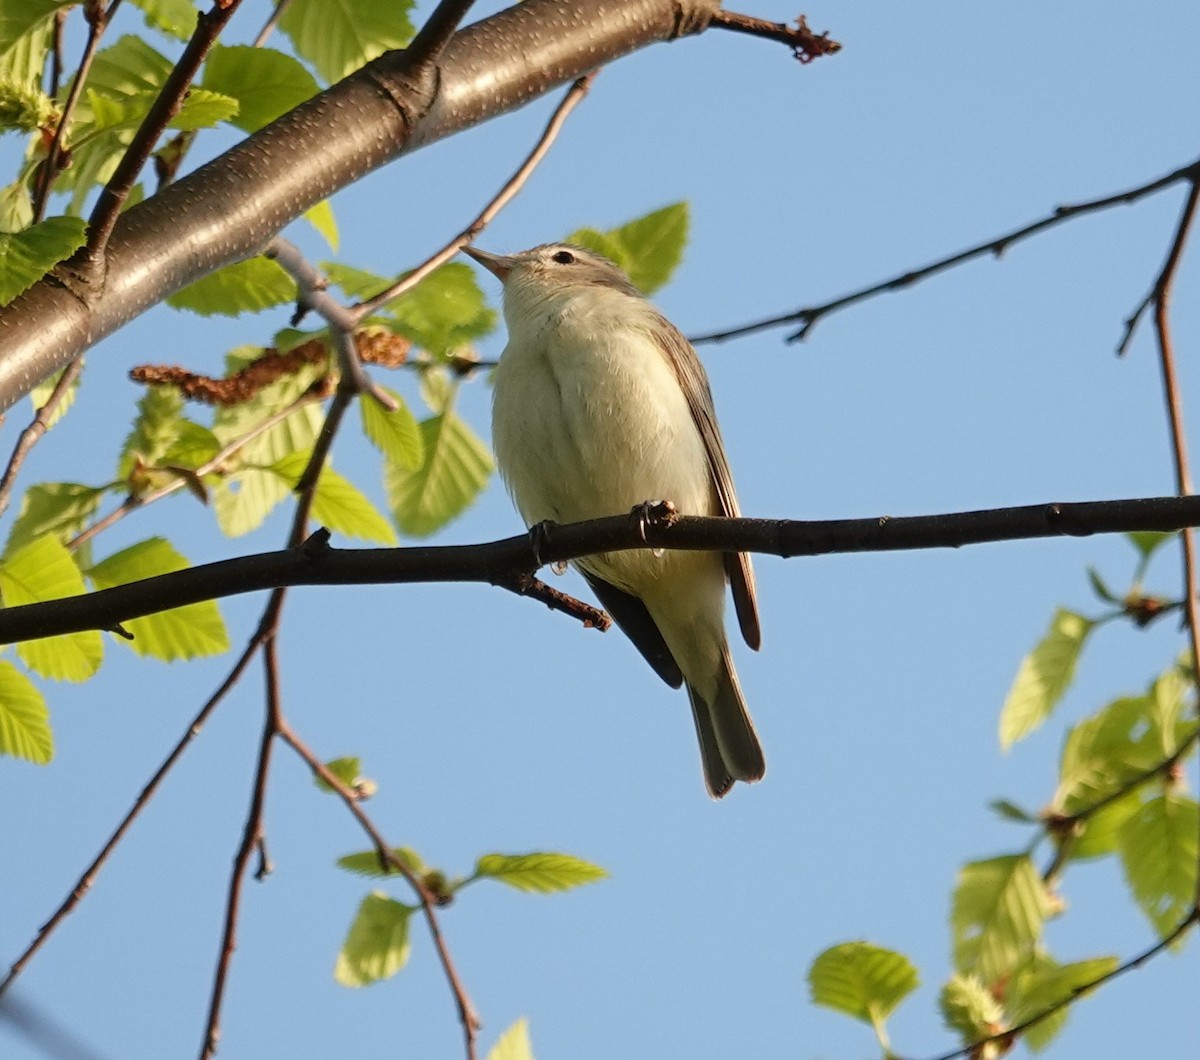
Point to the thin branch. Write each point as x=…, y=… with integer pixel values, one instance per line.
x=1007, y=1037
x=807, y=318
x=98, y=22
x=466, y=1011
x=252, y=833
x=272, y=21
x=88, y=878
x=431, y=40
x=805, y=44
x=503, y=197
x=166, y=105
x=314, y=563
x=36, y=430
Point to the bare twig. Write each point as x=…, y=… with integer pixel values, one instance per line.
x=431, y=39
x=807, y=318
x=502, y=198
x=36, y=430
x=166, y=105
x=498, y=561
x=466, y=1011
x=252, y=834
x=805, y=44
x=272, y=21
x=85, y=881
x=97, y=21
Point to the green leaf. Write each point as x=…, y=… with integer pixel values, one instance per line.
x=1100, y=588
x=193, y=631
x=1010, y=811
x=444, y=312
x=395, y=434
x=1147, y=542
x=1158, y=847
x=16, y=204
x=24, y=719
x=25, y=37
x=540, y=873
x=339, y=36
x=347, y=770
x=1098, y=834
x=244, y=287
x=1043, y=983
x=455, y=469
x=175, y=18
x=25, y=257
x=649, y=249
x=1103, y=753
x=61, y=509
x=266, y=83
x=354, y=282
x=513, y=1044
x=970, y=1008
x=203, y=109
x=154, y=431
x=322, y=219
x=862, y=980
x=1043, y=677
x=377, y=944
x=998, y=911
x=338, y=503
x=44, y=570
x=366, y=862
x=23, y=107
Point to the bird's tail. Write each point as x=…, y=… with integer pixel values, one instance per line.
x=729, y=747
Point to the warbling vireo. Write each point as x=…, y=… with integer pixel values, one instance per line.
x=601, y=404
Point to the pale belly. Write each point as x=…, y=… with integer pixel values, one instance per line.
x=585, y=428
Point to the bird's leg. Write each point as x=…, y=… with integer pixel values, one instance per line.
x=538, y=535
x=652, y=513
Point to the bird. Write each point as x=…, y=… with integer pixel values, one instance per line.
x=600, y=405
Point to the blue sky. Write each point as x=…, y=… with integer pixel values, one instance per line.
x=492, y=725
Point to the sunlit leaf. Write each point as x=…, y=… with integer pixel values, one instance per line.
x=244, y=287
x=1043, y=677
x=862, y=980
x=366, y=862
x=1043, y=983
x=377, y=944
x=998, y=911
x=175, y=18
x=397, y=435
x=338, y=503
x=445, y=311
x=24, y=719
x=190, y=632
x=649, y=249
x=339, y=36
x=266, y=83
x=25, y=257
x=513, y=1044
x=44, y=570
x=540, y=873
x=1147, y=542
x=970, y=1008
x=1159, y=846
x=455, y=469
x=61, y=509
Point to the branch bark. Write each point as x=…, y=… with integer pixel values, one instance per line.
x=230, y=208
x=504, y=562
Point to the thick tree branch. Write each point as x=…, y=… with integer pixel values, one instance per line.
x=230, y=208
x=504, y=562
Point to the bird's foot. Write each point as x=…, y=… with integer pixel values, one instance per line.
x=538, y=535
x=652, y=513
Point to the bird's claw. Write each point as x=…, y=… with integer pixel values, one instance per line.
x=652, y=513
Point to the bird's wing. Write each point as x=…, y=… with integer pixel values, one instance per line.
x=694, y=383
x=634, y=619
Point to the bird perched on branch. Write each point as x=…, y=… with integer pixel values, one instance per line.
x=600, y=405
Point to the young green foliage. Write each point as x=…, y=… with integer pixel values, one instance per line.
x=1041, y=984
x=24, y=719
x=540, y=873
x=862, y=980
x=266, y=83
x=649, y=248
x=337, y=503
x=175, y=18
x=1043, y=677
x=396, y=434
x=1159, y=851
x=248, y=286
x=191, y=632
x=339, y=38
x=25, y=257
x=377, y=945
x=348, y=770
x=59, y=509
x=998, y=911
x=970, y=1008
x=44, y=570
x=367, y=863
x=513, y=1044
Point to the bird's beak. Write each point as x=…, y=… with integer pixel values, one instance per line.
x=499, y=265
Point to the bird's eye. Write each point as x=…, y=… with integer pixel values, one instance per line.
x=563, y=257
